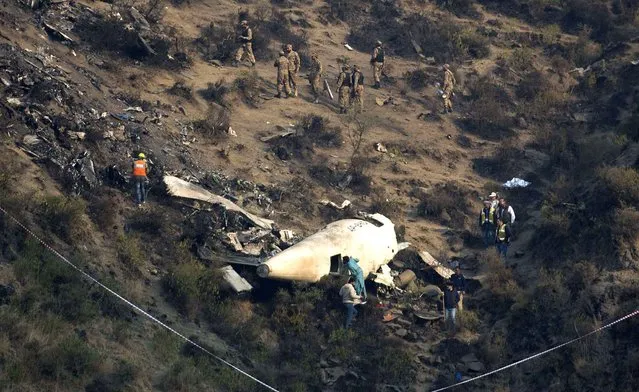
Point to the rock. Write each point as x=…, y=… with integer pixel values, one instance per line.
x=422, y=377
x=405, y=278
x=323, y=363
x=469, y=358
x=475, y=366
x=334, y=361
x=522, y=123
x=432, y=291
x=401, y=332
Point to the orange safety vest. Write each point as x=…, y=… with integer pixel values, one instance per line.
x=139, y=168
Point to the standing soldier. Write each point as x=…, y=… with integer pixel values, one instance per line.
x=245, y=38
x=377, y=61
x=293, y=68
x=357, y=81
x=282, y=76
x=449, y=86
x=315, y=76
x=344, y=88
x=139, y=172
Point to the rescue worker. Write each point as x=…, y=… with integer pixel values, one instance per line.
x=356, y=271
x=506, y=212
x=344, y=88
x=315, y=76
x=245, y=39
x=494, y=201
x=140, y=170
x=357, y=90
x=502, y=238
x=282, y=76
x=451, y=299
x=487, y=221
x=293, y=68
x=449, y=86
x=349, y=299
x=377, y=61
x=459, y=285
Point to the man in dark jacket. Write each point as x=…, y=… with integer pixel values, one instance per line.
x=487, y=223
x=459, y=285
x=502, y=237
x=451, y=298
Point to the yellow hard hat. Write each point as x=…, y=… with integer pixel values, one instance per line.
x=141, y=155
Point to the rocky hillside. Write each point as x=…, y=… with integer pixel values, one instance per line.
x=547, y=92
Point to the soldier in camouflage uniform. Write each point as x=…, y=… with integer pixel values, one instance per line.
x=357, y=83
x=282, y=75
x=293, y=68
x=449, y=86
x=377, y=61
x=344, y=88
x=315, y=76
x=245, y=38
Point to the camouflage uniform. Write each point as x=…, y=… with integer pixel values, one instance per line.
x=245, y=38
x=315, y=76
x=377, y=61
x=344, y=88
x=449, y=86
x=293, y=67
x=282, y=76
x=357, y=83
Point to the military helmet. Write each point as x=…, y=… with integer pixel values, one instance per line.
x=378, y=43
x=356, y=67
x=244, y=22
x=345, y=67
x=289, y=46
x=282, y=53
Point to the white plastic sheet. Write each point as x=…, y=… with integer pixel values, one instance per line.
x=516, y=183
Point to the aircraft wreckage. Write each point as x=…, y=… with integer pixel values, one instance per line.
x=370, y=238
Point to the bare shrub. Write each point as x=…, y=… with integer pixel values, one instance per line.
x=66, y=217
x=216, y=92
x=215, y=125
x=447, y=203
x=130, y=252
x=217, y=42
x=247, y=86
x=182, y=90
x=621, y=184
x=383, y=203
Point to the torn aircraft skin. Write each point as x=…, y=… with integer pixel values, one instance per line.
x=372, y=241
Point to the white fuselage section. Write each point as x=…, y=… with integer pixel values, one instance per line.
x=374, y=244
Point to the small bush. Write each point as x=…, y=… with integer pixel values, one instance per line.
x=216, y=92
x=621, y=184
x=318, y=131
x=130, y=252
x=150, y=222
x=521, y=60
x=192, y=287
x=247, y=86
x=70, y=359
x=418, y=79
x=447, y=203
x=182, y=90
x=65, y=217
x=459, y=7
x=216, y=124
x=384, y=204
x=217, y=42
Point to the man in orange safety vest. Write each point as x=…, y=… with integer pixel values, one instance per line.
x=140, y=170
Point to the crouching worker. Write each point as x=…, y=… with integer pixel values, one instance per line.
x=349, y=299
x=356, y=272
x=140, y=170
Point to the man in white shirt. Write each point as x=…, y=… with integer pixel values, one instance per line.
x=349, y=299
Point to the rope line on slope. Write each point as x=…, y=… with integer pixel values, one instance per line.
x=636, y=312
x=134, y=306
